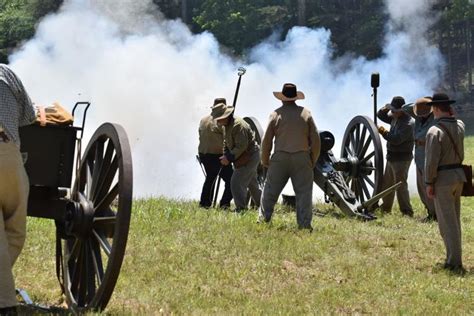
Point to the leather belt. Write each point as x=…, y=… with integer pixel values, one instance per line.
x=449, y=167
x=420, y=142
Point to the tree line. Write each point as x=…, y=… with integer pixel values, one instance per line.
x=357, y=26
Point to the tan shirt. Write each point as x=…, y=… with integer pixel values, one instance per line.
x=211, y=137
x=439, y=151
x=239, y=137
x=294, y=130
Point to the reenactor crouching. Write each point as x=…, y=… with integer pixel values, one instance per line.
x=241, y=149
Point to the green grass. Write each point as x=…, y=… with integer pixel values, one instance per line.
x=185, y=260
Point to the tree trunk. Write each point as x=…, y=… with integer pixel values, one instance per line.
x=302, y=12
x=184, y=10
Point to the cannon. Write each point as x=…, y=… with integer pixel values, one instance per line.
x=354, y=181
x=91, y=211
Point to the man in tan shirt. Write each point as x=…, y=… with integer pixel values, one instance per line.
x=297, y=147
x=211, y=139
x=241, y=149
x=444, y=176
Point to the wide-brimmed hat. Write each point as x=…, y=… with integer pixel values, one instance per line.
x=420, y=108
x=440, y=99
x=219, y=100
x=289, y=93
x=221, y=111
x=396, y=104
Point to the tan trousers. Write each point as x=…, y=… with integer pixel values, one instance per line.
x=14, y=190
x=447, y=203
x=397, y=171
x=298, y=168
x=421, y=186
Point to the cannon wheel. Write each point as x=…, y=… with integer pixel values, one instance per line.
x=362, y=147
x=95, y=246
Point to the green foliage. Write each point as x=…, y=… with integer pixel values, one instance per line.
x=460, y=10
x=18, y=19
x=240, y=24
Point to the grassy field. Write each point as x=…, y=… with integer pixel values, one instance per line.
x=185, y=260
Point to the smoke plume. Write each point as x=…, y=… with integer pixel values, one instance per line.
x=157, y=79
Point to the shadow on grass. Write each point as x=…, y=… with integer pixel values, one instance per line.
x=24, y=309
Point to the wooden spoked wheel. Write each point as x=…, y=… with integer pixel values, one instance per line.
x=97, y=221
x=362, y=148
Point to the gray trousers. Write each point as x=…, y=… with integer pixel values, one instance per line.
x=397, y=171
x=244, y=179
x=14, y=190
x=298, y=168
x=421, y=186
x=447, y=203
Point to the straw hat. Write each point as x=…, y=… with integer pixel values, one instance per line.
x=289, y=93
x=221, y=111
x=420, y=108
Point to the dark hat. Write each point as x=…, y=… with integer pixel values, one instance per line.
x=219, y=100
x=396, y=104
x=289, y=93
x=440, y=99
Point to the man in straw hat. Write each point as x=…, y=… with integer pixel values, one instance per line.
x=15, y=110
x=444, y=176
x=297, y=146
x=424, y=119
x=400, y=141
x=241, y=149
x=211, y=138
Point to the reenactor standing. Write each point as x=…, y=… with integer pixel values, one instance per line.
x=444, y=176
x=211, y=138
x=400, y=141
x=241, y=149
x=424, y=119
x=297, y=147
x=15, y=110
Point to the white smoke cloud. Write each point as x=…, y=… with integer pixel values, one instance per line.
x=157, y=79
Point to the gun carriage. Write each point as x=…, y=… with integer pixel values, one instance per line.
x=91, y=211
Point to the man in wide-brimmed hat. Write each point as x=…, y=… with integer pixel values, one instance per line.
x=444, y=175
x=424, y=119
x=242, y=150
x=211, y=139
x=16, y=110
x=400, y=141
x=297, y=146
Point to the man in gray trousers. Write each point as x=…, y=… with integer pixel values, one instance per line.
x=240, y=149
x=444, y=176
x=424, y=119
x=297, y=147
